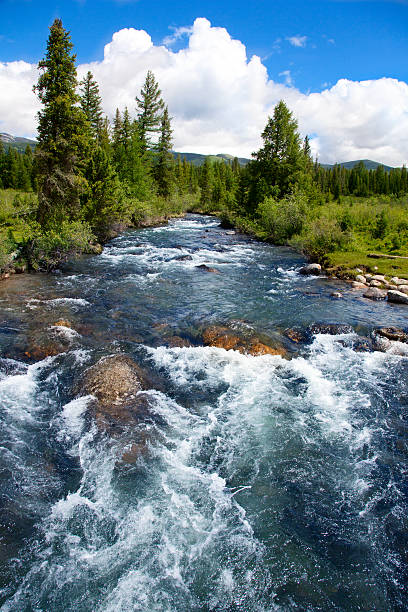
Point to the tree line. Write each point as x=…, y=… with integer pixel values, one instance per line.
x=93, y=178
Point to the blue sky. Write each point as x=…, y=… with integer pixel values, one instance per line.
x=344, y=39
x=308, y=46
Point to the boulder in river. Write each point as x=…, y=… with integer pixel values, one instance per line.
x=333, y=329
x=392, y=333
x=373, y=293
x=208, y=269
x=313, y=269
x=398, y=297
x=114, y=381
x=117, y=383
x=223, y=337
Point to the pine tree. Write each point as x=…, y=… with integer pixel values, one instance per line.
x=206, y=184
x=62, y=129
x=150, y=108
x=91, y=104
x=281, y=161
x=104, y=204
x=163, y=170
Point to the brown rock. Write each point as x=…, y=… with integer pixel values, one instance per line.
x=223, y=337
x=62, y=323
x=113, y=380
x=295, y=335
x=393, y=333
x=208, y=269
x=258, y=348
x=357, y=285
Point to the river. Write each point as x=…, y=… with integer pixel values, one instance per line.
x=267, y=483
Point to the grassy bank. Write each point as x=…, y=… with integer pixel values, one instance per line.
x=338, y=234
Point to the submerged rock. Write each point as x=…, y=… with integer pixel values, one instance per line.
x=223, y=337
x=333, y=329
x=208, y=269
x=373, y=293
x=114, y=381
x=296, y=335
x=392, y=333
x=178, y=342
x=121, y=407
x=311, y=269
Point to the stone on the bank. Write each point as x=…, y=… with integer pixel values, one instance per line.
x=403, y=288
x=375, y=283
x=378, y=277
x=359, y=271
x=357, y=285
x=397, y=297
x=399, y=281
x=360, y=278
x=373, y=293
x=311, y=269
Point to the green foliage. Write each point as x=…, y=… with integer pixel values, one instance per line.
x=48, y=249
x=281, y=219
x=91, y=104
x=103, y=204
x=7, y=247
x=321, y=236
x=164, y=166
x=150, y=107
x=280, y=164
x=62, y=131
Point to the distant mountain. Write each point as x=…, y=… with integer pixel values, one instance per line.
x=198, y=159
x=16, y=142
x=369, y=164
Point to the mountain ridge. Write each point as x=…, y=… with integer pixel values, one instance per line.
x=20, y=143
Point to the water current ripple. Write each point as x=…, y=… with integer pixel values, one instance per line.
x=264, y=483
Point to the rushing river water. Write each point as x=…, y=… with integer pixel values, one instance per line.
x=267, y=483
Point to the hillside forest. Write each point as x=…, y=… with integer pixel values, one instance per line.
x=90, y=179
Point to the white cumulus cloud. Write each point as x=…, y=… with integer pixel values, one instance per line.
x=220, y=99
x=297, y=41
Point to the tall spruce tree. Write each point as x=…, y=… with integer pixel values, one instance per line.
x=62, y=132
x=91, y=104
x=164, y=168
x=150, y=108
x=279, y=165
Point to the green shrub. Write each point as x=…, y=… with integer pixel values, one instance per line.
x=47, y=250
x=282, y=219
x=6, y=251
x=321, y=236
